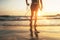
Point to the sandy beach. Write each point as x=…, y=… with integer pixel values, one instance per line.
x=22, y=33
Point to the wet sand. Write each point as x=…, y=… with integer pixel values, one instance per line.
x=22, y=33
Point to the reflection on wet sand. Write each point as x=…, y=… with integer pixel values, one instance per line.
x=22, y=33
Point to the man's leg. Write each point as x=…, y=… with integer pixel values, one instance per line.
x=35, y=25
x=31, y=21
x=36, y=32
x=31, y=28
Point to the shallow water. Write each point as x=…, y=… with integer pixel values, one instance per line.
x=39, y=22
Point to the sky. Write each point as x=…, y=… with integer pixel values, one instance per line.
x=19, y=7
